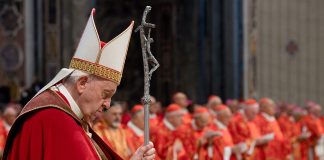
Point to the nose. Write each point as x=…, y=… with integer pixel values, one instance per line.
x=106, y=103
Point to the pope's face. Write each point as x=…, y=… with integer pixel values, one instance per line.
x=95, y=95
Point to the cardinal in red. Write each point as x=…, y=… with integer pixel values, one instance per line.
x=278, y=146
x=155, y=115
x=312, y=124
x=202, y=141
x=246, y=133
x=9, y=115
x=224, y=117
x=112, y=132
x=135, y=128
x=290, y=129
x=181, y=99
x=169, y=136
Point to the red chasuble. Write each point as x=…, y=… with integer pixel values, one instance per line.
x=322, y=120
x=246, y=132
x=313, y=125
x=3, y=135
x=276, y=149
x=135, y=137
x=291, y=130
x=48, y=129
x=164, y=140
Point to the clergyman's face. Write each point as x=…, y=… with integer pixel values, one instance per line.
x=251, y=112
x=96, y=95
x=181, y=99
x=113, y=116
x=202, y=120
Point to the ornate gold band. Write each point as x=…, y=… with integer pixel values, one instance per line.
x=96, y=69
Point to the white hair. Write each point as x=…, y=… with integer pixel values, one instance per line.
x=75, y=75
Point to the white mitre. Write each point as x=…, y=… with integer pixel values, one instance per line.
x=106, y=61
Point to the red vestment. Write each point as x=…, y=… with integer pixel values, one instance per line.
x=225, y=140
x=135, y=136
x=154, y=120
x=48, y=129
x=3, y=135
x=291, y=130
x=243, y=131
x=276, y=149
x=164, y=137
x=125, y=118
x=313, y=125
x=322, y=120
x=193, y=135
x=193, y=145
x=187, y=117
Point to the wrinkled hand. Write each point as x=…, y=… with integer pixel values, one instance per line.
x=145, y=152
x=210, y=134
x=208, y=137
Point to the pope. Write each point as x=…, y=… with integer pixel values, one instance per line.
x=54, y=124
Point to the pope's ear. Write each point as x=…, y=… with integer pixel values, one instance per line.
x=81, y=84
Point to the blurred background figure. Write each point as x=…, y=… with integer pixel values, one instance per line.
x=126, y=115
x=244, y=131
x=181, y=100
x=277, y=146
x=135, y=128
x=233, y=105
x=228, y=149
x=156, y=114
x=111, y=131
x=313, y=125
x=200, y=137
x=9, y=115
x=167, y=136
x=214, y=100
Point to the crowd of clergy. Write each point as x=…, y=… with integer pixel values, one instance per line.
x=233, y=130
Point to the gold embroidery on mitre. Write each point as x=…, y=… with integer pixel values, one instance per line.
x=96, y=69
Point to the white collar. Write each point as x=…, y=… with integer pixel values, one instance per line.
x=193, y=124
x=184, y=110
x=168, y=124
x=74, y=106
x=268, y=117
x=219, y=124
x=7, y=126
x=152, y=115
x=132, y=126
